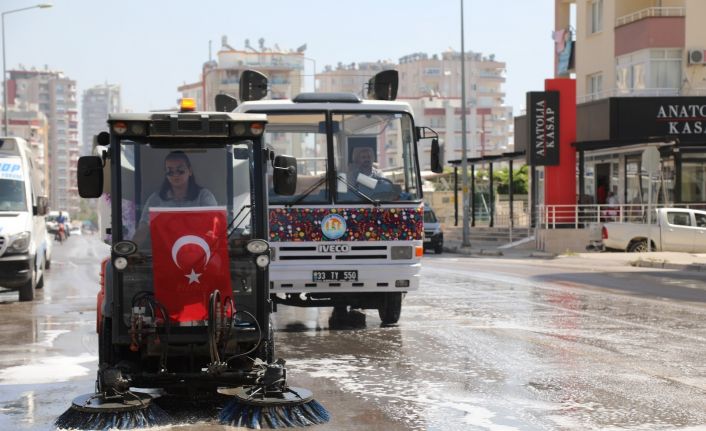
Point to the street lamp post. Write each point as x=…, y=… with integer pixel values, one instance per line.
x=464, y=162
x=313, y=89
x=4, y=72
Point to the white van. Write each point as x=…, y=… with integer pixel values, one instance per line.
x=24, y=243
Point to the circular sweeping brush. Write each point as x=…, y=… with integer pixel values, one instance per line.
x=100, y=412
x=254, y=407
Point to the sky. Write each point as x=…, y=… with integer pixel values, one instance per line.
x=150, y=47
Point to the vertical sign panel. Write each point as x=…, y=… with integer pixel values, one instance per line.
x=543, y=109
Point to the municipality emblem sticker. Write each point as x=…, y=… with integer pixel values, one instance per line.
x=333, y=226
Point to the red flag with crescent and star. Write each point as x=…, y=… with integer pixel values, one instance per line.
x=189, y=259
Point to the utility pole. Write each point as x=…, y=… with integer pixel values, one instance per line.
x=464, y=158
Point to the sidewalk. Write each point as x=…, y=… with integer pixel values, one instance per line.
x=664, y=260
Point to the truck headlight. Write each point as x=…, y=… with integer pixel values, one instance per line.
x=19, y=243
x=262, y=260
x=257, y=246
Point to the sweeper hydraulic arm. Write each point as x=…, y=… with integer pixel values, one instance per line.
x=184, y=305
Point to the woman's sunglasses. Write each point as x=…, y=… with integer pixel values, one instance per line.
x=175, y=172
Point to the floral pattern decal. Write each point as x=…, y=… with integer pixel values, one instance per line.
x=362, y=224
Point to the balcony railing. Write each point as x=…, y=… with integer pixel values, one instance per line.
x=645, y=92
x=650, y=12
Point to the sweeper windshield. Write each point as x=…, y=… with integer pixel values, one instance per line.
x=188, y=210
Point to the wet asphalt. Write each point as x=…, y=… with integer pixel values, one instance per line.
x=485, y=344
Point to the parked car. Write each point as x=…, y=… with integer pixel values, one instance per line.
x=672, y=229
x=433, y=235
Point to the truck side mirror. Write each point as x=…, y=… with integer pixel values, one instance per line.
x=253, y=85
x=42, y=206
x=90, y=176
x=285, y=175
x=436, y=164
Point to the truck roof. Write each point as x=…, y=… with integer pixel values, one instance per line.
x=313, y=105
x=151, y=116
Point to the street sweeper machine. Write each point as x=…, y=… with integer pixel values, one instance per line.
x=184, y=305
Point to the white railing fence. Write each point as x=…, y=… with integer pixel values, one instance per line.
x=582, y=216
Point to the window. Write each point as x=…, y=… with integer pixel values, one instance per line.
x=665, y=68
x=700, y=219
x=693, y=182
x=595, y=16
x=679, y=219
x=595, y=84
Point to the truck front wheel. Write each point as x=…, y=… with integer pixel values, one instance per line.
x=390, y=308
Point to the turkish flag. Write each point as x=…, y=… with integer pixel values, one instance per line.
x=189, y=259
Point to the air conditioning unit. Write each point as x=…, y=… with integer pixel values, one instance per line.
x=697, y=56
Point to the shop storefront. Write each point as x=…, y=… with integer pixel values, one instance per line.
x=614, y=134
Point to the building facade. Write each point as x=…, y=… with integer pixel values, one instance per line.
x=55, y=95
x=641, y=83
x=284, y=69
x=432, y=86
x=97, y=102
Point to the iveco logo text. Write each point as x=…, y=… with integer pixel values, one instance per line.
x=334, y=248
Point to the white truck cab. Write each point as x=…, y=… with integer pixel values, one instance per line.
x=24, y=244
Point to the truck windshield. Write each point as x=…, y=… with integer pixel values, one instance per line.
x=156, y=179
x=12, y=186
x=374, y=157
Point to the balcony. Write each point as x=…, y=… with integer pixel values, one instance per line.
x=657, y=27
x=650, y=12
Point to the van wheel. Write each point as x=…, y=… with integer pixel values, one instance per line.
x=47, y=264
x=638, y=247
x=27, y=289
x=390, y=308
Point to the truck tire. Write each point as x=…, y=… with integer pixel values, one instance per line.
x=390, y=308
x=638, y=247
x=27, y=289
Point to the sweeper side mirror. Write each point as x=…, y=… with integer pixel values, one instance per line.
x=284, y=177
x=90, y=176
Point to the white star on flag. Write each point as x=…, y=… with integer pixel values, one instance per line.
x=193, y=277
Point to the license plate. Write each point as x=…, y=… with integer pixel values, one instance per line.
x=335, y=276
x=427, y=239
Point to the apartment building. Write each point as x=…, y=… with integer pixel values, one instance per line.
x=55, y=96
x=432, y=86
x=284, y=69
x=31, y=124
x=97, y=102
x=349, y=78
x=641, y=83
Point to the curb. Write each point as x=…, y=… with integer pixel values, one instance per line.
x=663, y=264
